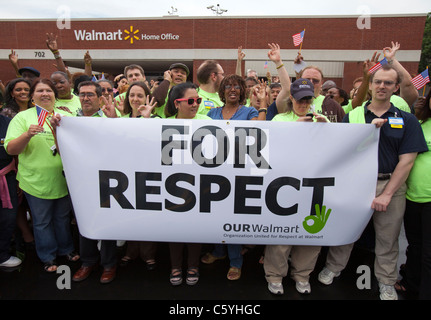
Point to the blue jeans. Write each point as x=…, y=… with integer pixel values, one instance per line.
x=233, y=251
x=51, y=226
x=8, y=219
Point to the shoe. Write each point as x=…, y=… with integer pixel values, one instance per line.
x=108, y=275
x=83, y=273
x=50, y=266
x=234, y=273
x=176, y=277
x=387, y=292
x=11, y=262
x=276, y=288
x=151, y=264
x=192, y=276
x=326, y=276
x=208, y=258
x=303, y=287
x=72, y=257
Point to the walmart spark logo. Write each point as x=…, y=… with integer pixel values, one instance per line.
x=131, y=34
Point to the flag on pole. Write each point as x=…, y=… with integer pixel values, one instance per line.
x=297, y=38
x=421, y=79
x=41, y=115
x=380, y=64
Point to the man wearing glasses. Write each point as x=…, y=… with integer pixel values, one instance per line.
x=401, y=139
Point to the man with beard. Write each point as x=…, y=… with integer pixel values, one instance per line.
x=209, y=74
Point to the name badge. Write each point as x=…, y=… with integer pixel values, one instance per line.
x=396, y=122
x=208, y=104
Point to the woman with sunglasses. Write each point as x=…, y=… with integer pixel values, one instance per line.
x=40, y=176
x=232, y=93
x=183, y=103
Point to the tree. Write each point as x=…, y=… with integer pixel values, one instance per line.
x=426, y=46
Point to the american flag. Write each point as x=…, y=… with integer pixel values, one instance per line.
x=421, y=79
x=41, y=115
x=297, y=38
x=378, y=65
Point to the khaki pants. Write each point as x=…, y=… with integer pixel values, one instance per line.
x=303, y=261
x=387, y=227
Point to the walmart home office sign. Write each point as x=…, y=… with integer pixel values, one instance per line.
x=132, y=34
x=215, y=181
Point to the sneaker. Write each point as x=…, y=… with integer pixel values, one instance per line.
x=303, y=287
x=387, y=292
x=326, y=276
x=208, y=258
x=276, y=288
x=11, y=262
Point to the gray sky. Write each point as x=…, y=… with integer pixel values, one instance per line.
x=25, y=9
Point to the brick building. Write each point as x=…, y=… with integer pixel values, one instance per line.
x=334, y=43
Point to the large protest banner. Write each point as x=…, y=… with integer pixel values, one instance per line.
x=215, y=181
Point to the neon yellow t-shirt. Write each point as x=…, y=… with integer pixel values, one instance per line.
x=209, y=100
x=288, y=117
x=73, y=104
x=419, y=180
x=40, y=173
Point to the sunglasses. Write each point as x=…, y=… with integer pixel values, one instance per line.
x=190, y=101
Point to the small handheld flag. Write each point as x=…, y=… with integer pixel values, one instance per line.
x=298, y=38
x=41, y=115
x=380, y=64
x=421, y=79
x=265, y=65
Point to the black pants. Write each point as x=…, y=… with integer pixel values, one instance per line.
x=417, y=223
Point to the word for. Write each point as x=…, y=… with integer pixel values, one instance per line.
x=246, y=141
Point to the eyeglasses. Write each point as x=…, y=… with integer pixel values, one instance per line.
x=191, y=101
x=88, y=94
x=386, y=83
x=315, y=81
x=108, y=90
x=228, y=87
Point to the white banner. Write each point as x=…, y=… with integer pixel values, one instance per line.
x=215, y=181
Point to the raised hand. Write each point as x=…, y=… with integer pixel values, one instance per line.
x=146, y=109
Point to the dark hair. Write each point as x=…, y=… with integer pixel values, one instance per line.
x=205, y=70
x=252, y=79
x=48, y=82
x=91, y=84
x=77, y=80
x=64, y=74
x=343, y=94
x=9, y=101
x=127, y=107
x=177, y=92
x=424, y=113
x=275, y=85
x=231, y=79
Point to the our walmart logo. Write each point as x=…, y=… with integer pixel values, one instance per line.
x=131, y=34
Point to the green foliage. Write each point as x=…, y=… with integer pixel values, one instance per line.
x=426, y=46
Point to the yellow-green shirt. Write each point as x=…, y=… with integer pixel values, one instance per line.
x=40, y=172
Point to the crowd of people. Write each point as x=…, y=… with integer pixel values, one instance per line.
x=32, y=180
